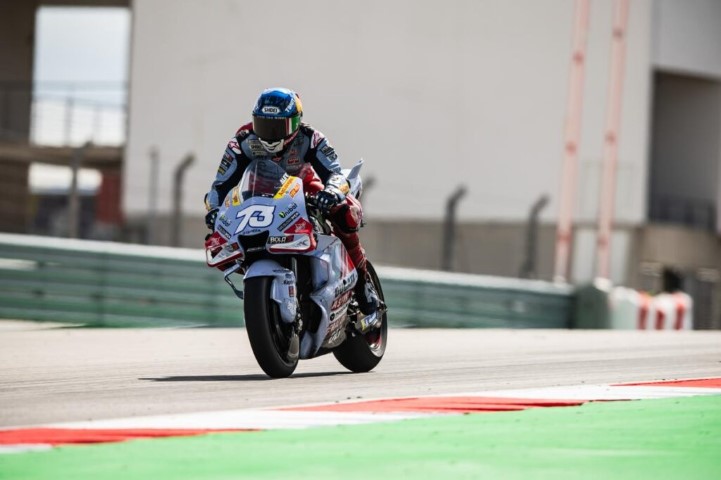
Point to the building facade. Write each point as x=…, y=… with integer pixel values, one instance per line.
x=434, y=95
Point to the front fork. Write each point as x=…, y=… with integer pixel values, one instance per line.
x=283, y=289
x=284, y=292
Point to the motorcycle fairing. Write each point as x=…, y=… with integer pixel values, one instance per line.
x=283, y=287
x=282, y=215
x=334, y=277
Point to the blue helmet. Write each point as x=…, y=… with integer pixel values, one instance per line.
x=276, y=118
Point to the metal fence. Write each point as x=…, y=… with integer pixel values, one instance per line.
x=111, y=284
x=64, y=113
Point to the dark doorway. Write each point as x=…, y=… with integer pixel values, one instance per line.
x=685, y=151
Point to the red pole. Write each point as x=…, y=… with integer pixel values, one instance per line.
x=564, y=230
x=613, y=122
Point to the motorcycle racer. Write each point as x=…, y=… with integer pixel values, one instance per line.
x=277, y=134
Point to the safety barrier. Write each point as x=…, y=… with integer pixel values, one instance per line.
x=440, y=299
x=631, y=310
x=600, y=305
x=111, y=284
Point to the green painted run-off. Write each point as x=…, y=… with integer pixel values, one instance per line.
x=650, y=439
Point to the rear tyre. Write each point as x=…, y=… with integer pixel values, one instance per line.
x=269, y=336
x=362, y=352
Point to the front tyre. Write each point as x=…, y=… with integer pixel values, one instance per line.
x=362, y=352
x=269, y=337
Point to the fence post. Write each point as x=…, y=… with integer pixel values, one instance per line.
x=150, y=228
x=449, y=229
x=178, y=197
x=528, y=269
x=69, y=107
x=74, y=194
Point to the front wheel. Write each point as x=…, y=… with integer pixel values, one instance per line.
x=362, y=352
x=269, y=337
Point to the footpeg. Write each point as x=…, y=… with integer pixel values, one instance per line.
x=367, y=323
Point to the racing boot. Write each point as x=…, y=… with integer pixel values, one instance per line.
x=366, y=294
x=346, y=220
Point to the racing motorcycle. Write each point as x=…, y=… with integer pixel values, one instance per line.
x=298, y=279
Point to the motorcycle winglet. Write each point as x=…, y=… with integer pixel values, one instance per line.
x=226, y=276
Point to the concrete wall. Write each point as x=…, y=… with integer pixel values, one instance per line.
x=687, y=37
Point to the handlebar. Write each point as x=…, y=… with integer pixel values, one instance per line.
x=311, y=199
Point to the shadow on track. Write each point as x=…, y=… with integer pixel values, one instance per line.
x=238, y=378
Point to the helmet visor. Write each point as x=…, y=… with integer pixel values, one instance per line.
x=274, y=129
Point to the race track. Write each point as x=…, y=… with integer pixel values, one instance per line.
x=50, y=375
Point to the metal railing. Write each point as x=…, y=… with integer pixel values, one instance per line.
x=691, y=212
x=64, y=114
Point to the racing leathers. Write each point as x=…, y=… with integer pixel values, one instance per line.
x=310, y=157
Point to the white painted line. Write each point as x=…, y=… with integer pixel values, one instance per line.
x=238, y=419
x=600, y=392
x=23, y=448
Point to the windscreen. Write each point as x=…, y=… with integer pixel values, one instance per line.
x=262, y=178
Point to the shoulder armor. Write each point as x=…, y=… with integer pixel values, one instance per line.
x=316, y=136
x=244, y=131
x=307, y=129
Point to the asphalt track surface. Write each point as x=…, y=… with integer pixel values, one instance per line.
x=50, y=375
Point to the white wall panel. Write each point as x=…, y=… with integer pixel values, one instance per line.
x=687, y=36
x=432, y=92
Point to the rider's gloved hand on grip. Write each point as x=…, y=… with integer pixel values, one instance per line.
x=328, y=198
x=210, y=218
x=336, y=188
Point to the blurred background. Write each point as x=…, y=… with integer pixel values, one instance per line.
x=114, y=116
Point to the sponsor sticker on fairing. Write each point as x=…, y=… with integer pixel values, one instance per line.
x=236, y=197
x=279, y=239
x=284, y=188
x=215, y=241
x=301, y=226
x=341, y=301
x=224, y=232
x=288, y=221
x=290, y=209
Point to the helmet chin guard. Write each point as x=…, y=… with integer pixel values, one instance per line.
x=273, y=147
x=279, y=145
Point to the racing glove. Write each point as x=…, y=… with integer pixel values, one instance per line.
x=210, y=218
x=334, y=193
